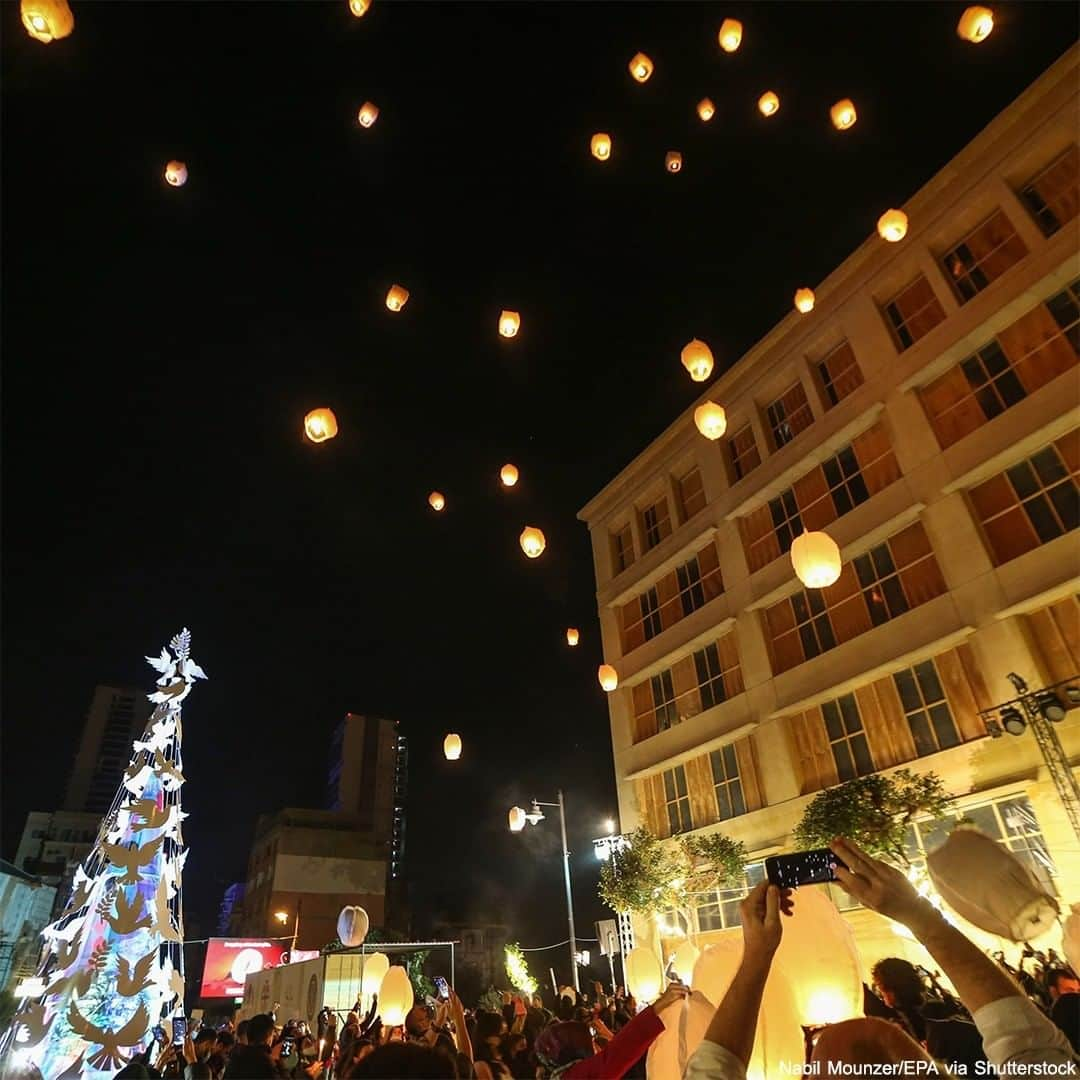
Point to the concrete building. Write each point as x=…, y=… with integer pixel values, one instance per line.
x=26, y=905
x=52, y=846
x=924, y=415
x=311, y=863
x=479, y=947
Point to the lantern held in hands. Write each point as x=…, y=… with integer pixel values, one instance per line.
x=352, y=926
x=532, y=541
x=608, y=676
x=706, y=109
x=710, y=419
x=516, y=818
x=359, y=7
x=804, y=300
x=47, y=20
x=368, y=114
x=176, y=174
x=892, y=226
x=436, y=500
x=682, y=963
x=572, y=636
x=816, y=559
x=397, y=297
x=673, y=161
x=375, y=967
x=320, y=425
x=697, y=358
x=730, y=36
x=768, y=103
x=975, y=24
x=452, y=747
x=509, y=323
x=644, y=979
x=842, y=114
x=641, y=67
x=508, y=474
x=395, y=996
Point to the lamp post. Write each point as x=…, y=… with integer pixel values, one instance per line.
x=533, y=816
x=283, y=918
x=1041, y=709
x=605, y=848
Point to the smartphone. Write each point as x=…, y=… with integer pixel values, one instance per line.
x=443, y=987
x=286, y=1047
x=159, y=1034
x=179, y=1030
x=813, y=867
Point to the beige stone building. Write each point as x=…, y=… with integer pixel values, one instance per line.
x=924, y=414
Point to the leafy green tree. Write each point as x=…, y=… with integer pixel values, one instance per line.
x=874, y=811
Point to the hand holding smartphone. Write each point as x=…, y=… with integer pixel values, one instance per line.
x=814, y=867
x=179, y=1030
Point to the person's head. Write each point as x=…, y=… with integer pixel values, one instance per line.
x=242, y=1032
x=406, y=1060
x=868, y=1040
x=418, y=1021
x=1061, y=981
x=224, y=1043
x=537, y=1001
x=490, y=1028
x=563, y=1043
x=204, y=1043
x=260, y=1030
x=899, y=983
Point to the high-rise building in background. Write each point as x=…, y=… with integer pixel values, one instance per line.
x=117, y=715
x=26, y=906
x=924, y=414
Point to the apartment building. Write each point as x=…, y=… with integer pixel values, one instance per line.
x=925, y=414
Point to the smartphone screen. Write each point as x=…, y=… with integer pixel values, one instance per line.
x=159, y=1034
x=286, y=1047
x=803, y=868
x=179, y=1030
x=442, y=986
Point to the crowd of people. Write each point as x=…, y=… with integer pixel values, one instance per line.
x=1000, y=1021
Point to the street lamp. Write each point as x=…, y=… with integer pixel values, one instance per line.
x=534, y=815
x=283, y=918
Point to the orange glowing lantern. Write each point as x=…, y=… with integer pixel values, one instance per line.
x=436, y=501
x=608, y=676
x=641, y=67
x=975, y=24
x=768, y=103
x=397, y=297
x=47, y=20
x=509, y=323
x=508, y=474
x=176, y=174
x=600, y=145
x=697, y=358
x=452, y=747
x=644, y=978
x=395, y=997
x=572, y=636
x=706, y=109
x=711, y=420
x=359, y=7
x=843, y=115
x=516, y=818
x=368, y=114
x=816, y=559
x=532, y=541
x=892, y=226
x=673, y=161
x=730, y=35
x=320, y=425
x=804, y=300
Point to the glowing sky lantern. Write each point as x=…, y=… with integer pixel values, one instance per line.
x=975, y=24
x=532, y=541
x=516, y=818
x=509, y=323
x=608, y=676
x=673, y=161
x=176, y=174
x=436, y=500
x=768, y=103
x=842, y=114
x=706, y=109
x=644, y=979
x=816, y=559
x=47, y=20
x=804, y=300
x=376, y=965
x=397, y=297
x=600, y=145
x=730, y=35
x=320, y=425
x=682, y=963
x=452, y=747
x=368, y=114
x=641, y=67
x=395, y=997
x=573, y=636
x=710, y=419
x=359, y=7
x=508, y=474
x=697, y=358
x=892, y=226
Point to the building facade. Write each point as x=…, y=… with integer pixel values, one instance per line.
x=52, y=846
x=925, y=415
x=26, y=904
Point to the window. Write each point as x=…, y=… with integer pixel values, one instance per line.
x=691, y=493
x=663, y=695
x=983, y=255
x=719, y=909
x=1032, y=502
x=710, y=676
x=927, y=711
x=839, y=373
x=678, y=801
x=650, y=613
x=729, y=792
x=691, y=594
x=743, y=451
x=789, y=414
x=656, y=522
x=880, y=584
x=914, y=312
x=847, y=740
x=622, y=547
x=1053, y=194
x=847, y=487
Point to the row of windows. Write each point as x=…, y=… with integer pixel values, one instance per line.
x=655, y=519
x=727, y=788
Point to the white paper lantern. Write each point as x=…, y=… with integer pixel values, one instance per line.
x=452, y=747
x=608, y=676
x=816, y=559
x=375, y=967
x=516, y=818
x=710, y=419
x=682, y=963
x=395, y=996
x=644, y=978
x=697, y=358
x=352, y=926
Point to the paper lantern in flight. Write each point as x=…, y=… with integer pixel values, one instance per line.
x=395, y=996
x=644, y=979
x=710, y=419
x=608, y=676
x=804, y=300
x=375, y=967
x=697, y=358
x=975, y=24
x=892, y=226
x=673, y=161
x=641, y=67
x=436, y=500
x=730, y=35
x=176, y=174
x=600, y=144
x=320, y=425
x=572, y=636
x=368, y=114
x=532, y=541
x=47, y=20
x=706, y=109
x=509, y=323
x=452, y=747
x=842, y=114
x=516, y=818
x=397, y=297
x=508, y=474
x=359, y=7
x=816, y=559
x=352, y=926
x=768, y=103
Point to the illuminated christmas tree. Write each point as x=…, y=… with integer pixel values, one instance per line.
x=114, y=961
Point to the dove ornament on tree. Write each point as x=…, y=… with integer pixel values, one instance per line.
x=114, y=965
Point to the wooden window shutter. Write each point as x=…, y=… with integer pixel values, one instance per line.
x=644, y=714
x=728, y=650
x=699, y=785
x=810, y=749
x=961, y=698
x=685, y=683
x=651, y=805
x=1056, y=630
x=891, y=731
x=746, y=756
x=1036, y=348
x=712, y=581
x=667, y=589
x=951, y=408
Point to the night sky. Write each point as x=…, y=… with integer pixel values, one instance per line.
x=162, y=345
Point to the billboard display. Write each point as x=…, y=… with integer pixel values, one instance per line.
x=230, y=960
